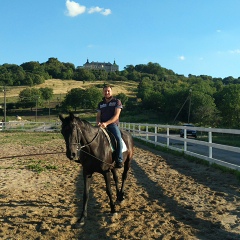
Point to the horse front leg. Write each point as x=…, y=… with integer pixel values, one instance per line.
x=87, y=181
x=107, y=178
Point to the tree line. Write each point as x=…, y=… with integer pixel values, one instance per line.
x=205, y=100
x=34, y=73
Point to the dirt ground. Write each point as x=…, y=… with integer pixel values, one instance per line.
x=167, y=197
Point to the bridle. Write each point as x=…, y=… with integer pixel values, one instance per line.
x=79, y=133
x=80, y=147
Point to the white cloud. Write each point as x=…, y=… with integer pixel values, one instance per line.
x=236, y=51
x=74, y=9
x=95, y=9
x=106, y=12
x=182, y=58
x=102, y=11
x=218, y=31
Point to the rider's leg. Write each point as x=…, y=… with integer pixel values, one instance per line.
x=114, y=129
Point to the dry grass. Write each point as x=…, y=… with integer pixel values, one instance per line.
x=63, y=86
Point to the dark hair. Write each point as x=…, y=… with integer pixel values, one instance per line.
x=107, y=86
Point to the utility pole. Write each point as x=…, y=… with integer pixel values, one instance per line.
x=36, y=108
x=5, y=104
x=49, y=109
x=189, y=107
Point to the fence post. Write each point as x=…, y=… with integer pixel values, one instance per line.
x=210, y=141
x=147, y=132
x=185, y=142
x=167, y=136
x=155, y=131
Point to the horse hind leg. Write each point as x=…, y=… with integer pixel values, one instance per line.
x=120, y=196
x=115, y=178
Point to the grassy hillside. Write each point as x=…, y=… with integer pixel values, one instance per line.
x=63, y=86
x=60, y=88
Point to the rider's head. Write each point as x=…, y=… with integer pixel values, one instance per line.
x=107, y=91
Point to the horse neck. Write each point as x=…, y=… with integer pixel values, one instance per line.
x=88, y=132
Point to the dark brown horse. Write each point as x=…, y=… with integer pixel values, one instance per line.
x=90, y=146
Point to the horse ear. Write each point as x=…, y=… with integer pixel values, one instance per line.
x=61, y=117
x=71, y=115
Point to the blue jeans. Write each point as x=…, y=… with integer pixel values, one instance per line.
x=113, y=128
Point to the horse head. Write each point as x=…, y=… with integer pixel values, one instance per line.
x=72, y=135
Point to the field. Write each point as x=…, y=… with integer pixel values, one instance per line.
x=167, y=197
x=61, y=87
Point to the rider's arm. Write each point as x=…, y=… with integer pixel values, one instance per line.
x=98, y=118
x=114, y=118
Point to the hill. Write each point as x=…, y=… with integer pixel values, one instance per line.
x=63, y=86
x=60, y=89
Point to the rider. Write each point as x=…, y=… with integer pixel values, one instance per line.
x=108, y=113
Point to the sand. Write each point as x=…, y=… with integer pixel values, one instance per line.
x=167, y=197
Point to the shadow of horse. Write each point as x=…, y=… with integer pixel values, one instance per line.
x=90, y=146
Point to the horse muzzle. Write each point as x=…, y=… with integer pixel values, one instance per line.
x=72, y=155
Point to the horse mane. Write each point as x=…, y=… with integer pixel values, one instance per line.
x=83, y=122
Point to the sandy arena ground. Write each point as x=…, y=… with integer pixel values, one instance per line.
x=167, y=197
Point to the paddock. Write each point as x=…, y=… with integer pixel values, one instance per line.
x=167, y=197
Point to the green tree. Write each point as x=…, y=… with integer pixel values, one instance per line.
x=29, y=96
x=54, y=67
x=123, y=97
x=228, y=102
x=82, y=74
x=145, y=88
x=73, y=99
x=92, y=97
x=46, y=93
x=204, y=110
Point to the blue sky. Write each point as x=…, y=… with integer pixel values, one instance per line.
x=187, y=36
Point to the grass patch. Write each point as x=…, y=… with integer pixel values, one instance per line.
x=28, y=138
x=40, y=166
x=222, y=138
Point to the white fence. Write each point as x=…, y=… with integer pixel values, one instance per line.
x=162, y=135
x=30, y=126
x=168, y=136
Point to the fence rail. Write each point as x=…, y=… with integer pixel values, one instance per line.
x=30, y=126
x=168, y=136
x=162, y=135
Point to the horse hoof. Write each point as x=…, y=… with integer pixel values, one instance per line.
x=120, y=202
x=80, y=223
x=114, y=217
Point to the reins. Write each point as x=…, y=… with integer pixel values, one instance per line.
x=85, y=145
x=78, y=143
x=29, y=155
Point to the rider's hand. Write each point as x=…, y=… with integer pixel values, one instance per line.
x=103, y=125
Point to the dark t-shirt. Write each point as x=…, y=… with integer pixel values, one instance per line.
x=108, y=109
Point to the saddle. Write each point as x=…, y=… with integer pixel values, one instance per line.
x=112, y=140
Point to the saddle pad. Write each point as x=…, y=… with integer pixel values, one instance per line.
x=124, y=149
